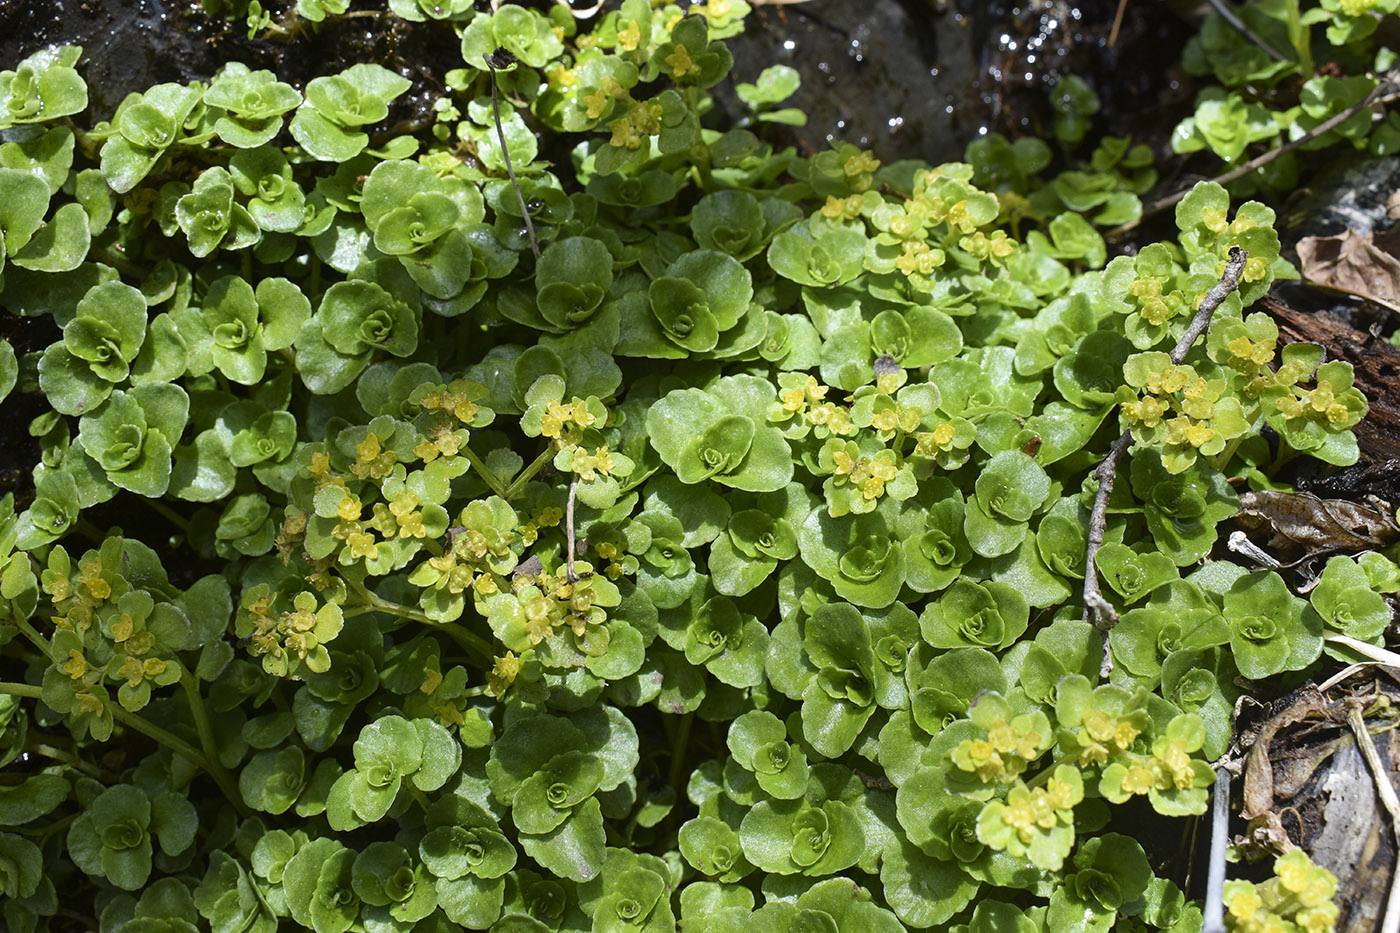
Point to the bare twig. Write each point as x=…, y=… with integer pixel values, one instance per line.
x=1229, y=281
x=1094, y=601
x=1243, y=29
x=1117, y=23
x=1383, y=93
x=1095, y=604
x=1219, y=840
x=569, y=574
x=1386, y=791
x=504, y=59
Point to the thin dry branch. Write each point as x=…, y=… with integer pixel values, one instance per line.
x=1095, y=605
x=1384, y=92
x=569, y=574
x=1219, y=842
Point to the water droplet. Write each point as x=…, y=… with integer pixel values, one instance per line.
x=789, y=45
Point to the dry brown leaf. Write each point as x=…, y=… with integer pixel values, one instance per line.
x=1300, y=520
x=1352, y=262
x=1258, y=769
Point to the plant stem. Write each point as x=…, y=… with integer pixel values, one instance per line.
x=487, y=475
x=21, y=690
x=1383, y=93
x=169, y=514
x=206, y=734
x=144, y=726
x=678, y=744
x=1219, y=841
x=1240, y=27
x=569, y=574
x=1095, y=605
x=505, y=156
x=420, y=797
x=33, y=635
x=529, y=472
x=185, y=750
x=472, y=643
x=68, y=758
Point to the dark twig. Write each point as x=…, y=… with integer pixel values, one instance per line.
x=504, y=59
x=1383, y=93
x=1095, y=604
x=1219, y=839
x=1243, y=29
x=569, y=531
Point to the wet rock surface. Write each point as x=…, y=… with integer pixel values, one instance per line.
x=920, y=78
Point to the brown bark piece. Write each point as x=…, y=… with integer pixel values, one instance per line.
x=1377, y=365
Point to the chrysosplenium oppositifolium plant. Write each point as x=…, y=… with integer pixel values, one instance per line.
x=722, y=566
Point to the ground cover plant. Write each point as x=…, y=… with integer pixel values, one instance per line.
x=691, y=532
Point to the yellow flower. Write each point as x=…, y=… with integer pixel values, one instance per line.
x=595, y=104
x=76, y=665
x=362, y=545
x=349, y=508
x=681, y=64
x=503, y=673
x=629, y=36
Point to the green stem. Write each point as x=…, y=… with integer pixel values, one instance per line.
x=485, y=472
x=185, y=750
x=678, y=745
x=418, y=795
x=470, y=642
x=529, y=472
x=38, y=640
x=169, y=514
x=68, y=758
x=1048, y=771
x=88, y=530
x=119, y=262
x=147, y=728
x=1220, y=460
x=206, y=737
x=21, y=690
x=699, y=153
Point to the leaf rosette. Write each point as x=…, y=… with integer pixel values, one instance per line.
x=721, y=433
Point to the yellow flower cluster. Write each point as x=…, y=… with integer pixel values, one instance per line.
x=847, y=208
x=642, y=121
x=598, y=103
x=560, y=421
x=1009, y=747
x=453, y=400
x=919, y=258
x=1319, y=403
x=1029, y=811
x=589, y=466
x=868, y=474
x=372, y=461
x=929, y=443
x=1181, y=388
